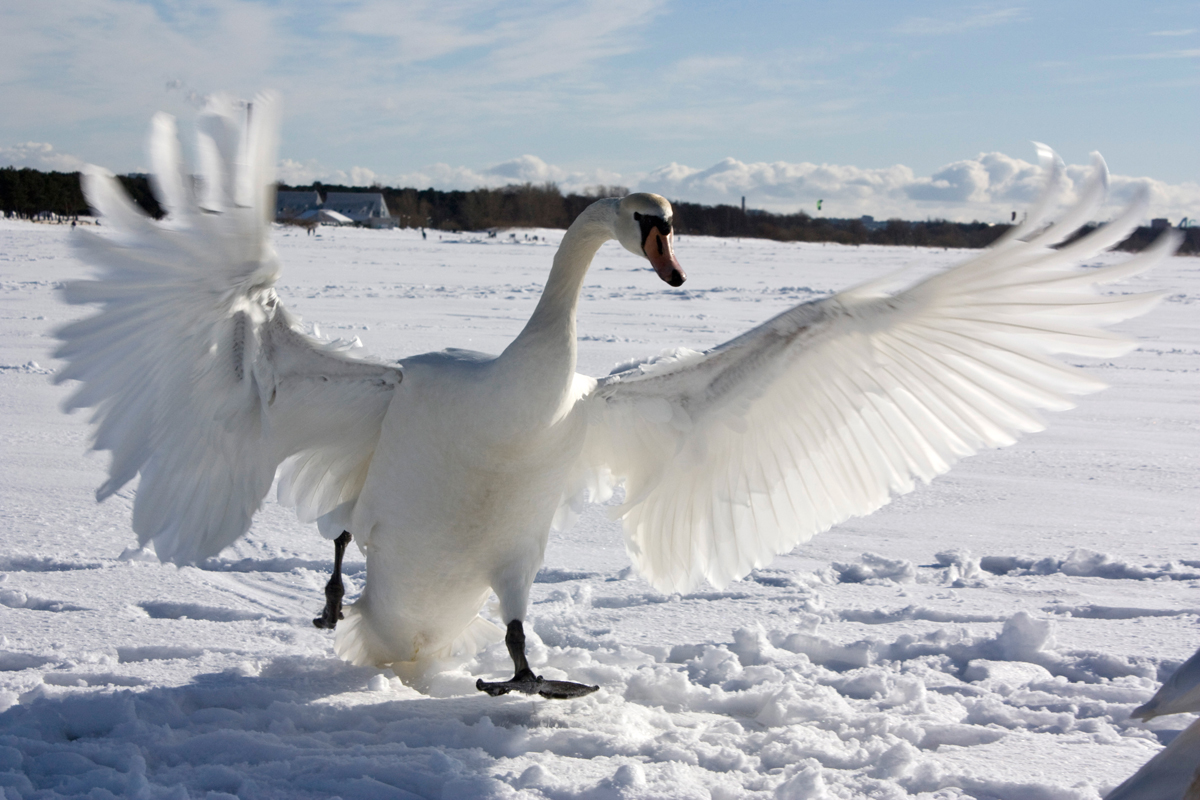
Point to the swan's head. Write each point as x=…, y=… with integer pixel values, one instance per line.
x=644, y=228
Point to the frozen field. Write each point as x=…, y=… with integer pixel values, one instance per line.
x=986, y=636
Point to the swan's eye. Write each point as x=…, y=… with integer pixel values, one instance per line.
x=649, y=222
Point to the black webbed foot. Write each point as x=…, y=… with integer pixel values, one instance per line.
x=535, y=684
x=335, y=590
x=524, y=680
x=565, y=690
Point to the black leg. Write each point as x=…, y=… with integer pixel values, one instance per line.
x=523, y=679
x=514, y=640
x=334, y=590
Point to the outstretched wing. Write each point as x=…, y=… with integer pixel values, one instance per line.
x=833, y=407
x=200, y=379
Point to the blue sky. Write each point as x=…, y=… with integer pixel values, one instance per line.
x=712, y=99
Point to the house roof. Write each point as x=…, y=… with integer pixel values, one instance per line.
x=357, y=205
x=291, y=204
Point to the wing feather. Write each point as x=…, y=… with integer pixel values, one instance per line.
x=201, y=381
x=833, y=407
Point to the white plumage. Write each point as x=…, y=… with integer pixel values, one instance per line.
x=1180, y=694
x=201, y=381
x=451, y=478
x=834, y=407
x=1174, y=772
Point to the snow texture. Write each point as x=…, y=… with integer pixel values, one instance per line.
x=988, y=636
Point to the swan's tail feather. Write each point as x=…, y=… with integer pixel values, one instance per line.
x=358, y=643
x=480, y=633
x=352, y=642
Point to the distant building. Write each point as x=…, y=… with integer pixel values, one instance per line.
x=365, y=208
x=870, y=224
x=1160, y=224
x=293, y=205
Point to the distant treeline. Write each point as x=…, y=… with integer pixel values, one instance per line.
x=29, y=192
x=545, y=206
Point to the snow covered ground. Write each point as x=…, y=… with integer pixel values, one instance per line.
x=986, y=636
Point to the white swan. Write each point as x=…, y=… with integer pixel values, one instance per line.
x=451, y=478
x=1174, y=772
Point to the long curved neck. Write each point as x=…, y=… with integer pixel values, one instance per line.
x=551, y=329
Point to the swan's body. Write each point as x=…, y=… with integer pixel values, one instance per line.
x=472, y=464
x=489, y=533
x=450, y=470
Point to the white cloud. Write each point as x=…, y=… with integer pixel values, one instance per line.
x=524, y=169
x=987, y=178
x=1170, y=200
x=39, y=155
x=1169, y=54
x=360, y=74
x=416, y=31
x=408, y=89
x=776, y=186
x=297, y=173
x=531, y=169
x=988, y=187
x=944, y=25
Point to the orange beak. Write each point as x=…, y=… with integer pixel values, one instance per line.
x=657, y=248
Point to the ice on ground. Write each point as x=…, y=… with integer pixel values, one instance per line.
x=988, y=636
